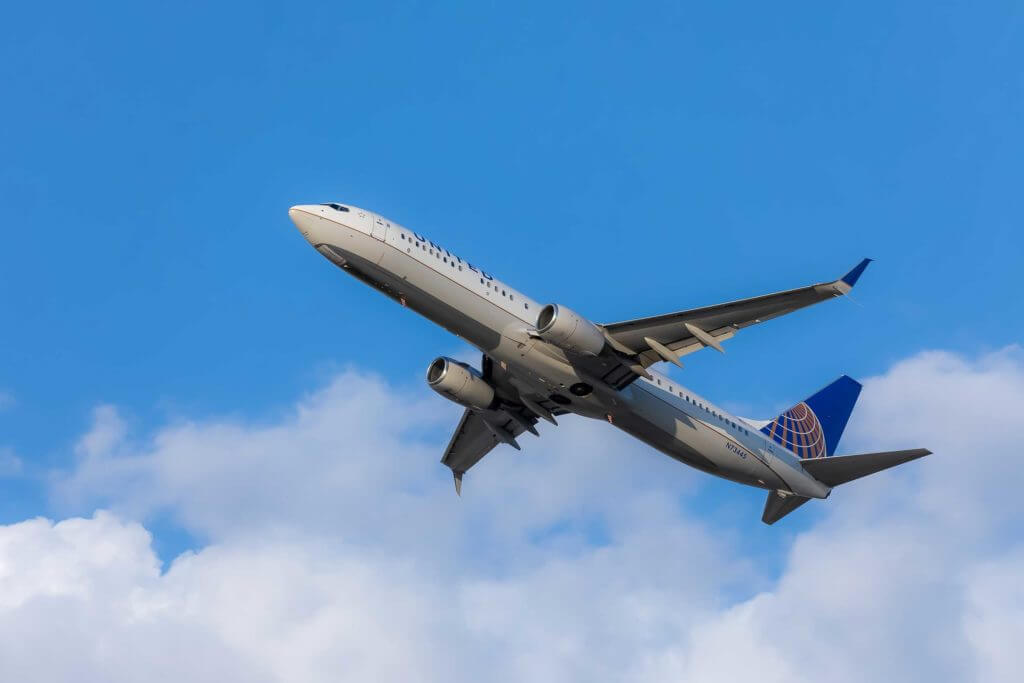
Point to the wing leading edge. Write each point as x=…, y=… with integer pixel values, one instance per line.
x=667, y=337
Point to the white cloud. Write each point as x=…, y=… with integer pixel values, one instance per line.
x=83, y=600
x=907, y=578
x=994, y=622
x=359, y=460
x=10, y=463
x=966, y=410
x=107, y=432
x=340, y=552
x=306, y=611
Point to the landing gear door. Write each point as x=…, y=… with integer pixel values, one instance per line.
x=380, y=227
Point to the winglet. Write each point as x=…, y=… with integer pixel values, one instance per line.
x=458, y=482
x=852, y=277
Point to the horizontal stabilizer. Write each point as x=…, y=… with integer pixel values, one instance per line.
x=778, y=506
x=840, y=469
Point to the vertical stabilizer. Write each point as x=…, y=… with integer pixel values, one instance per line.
x=812, y=428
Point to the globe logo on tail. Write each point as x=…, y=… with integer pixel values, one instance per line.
x=799, y=430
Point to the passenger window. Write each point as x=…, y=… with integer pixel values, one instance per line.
x=526, y=306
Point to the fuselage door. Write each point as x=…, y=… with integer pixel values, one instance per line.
x=380, y=227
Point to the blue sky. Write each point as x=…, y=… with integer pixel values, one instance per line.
x=617, y=160
x=679, y=157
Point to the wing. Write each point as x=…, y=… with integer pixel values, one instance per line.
x=667, y=337
x=479, y=432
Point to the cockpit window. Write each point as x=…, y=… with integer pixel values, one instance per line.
x=337, y=207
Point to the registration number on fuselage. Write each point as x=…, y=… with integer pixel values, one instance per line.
x=736, y=449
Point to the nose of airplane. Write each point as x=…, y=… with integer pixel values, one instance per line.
x=305, y=219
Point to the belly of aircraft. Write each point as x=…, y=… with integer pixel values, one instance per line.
x=682, y=437
x=424, y=291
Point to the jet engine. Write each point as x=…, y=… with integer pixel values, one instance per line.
x=569, y=330
x=460, y=383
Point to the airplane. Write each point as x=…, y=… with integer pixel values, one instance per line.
x=541, y=362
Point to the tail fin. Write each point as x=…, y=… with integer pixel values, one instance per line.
x=812, y=428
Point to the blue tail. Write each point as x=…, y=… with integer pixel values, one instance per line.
x=812, y=429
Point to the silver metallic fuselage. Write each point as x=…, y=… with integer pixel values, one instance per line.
x=498, y=320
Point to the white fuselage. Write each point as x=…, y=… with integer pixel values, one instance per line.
x=499, y=320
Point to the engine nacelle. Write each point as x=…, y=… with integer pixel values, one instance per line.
x=569, y=330
x=460, y=383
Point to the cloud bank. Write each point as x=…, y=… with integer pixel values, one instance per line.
x=337, y=551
